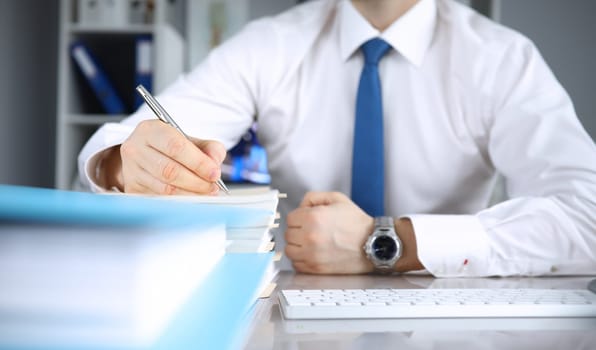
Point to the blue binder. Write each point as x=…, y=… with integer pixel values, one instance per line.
x=97, y=78
x=143, y=66
x=50, y=206
x=218, y=315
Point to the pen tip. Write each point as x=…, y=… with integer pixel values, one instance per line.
x=223, y=186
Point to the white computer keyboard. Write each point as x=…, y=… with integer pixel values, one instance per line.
x=435, y=303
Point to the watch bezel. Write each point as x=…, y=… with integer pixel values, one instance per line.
x=384, y=227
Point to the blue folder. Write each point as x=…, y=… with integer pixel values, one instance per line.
x=97, y=79
x=43, y=205
x=218, y=314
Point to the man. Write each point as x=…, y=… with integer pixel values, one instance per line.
x=461, y=100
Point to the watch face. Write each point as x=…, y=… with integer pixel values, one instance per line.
x=384, y=248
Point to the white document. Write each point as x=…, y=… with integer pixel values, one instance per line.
x=248, y=235
x=245, y=237
x=262, y=198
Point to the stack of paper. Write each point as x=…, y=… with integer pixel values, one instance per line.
x=246, y=236
x=79, y=269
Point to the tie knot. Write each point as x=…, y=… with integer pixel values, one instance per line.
x=374, y=49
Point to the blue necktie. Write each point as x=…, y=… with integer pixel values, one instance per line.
x=367, y=161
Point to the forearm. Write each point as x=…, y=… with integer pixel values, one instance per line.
x=542, y=236
x=523, y=236
x=409, y=260
x=108, y=137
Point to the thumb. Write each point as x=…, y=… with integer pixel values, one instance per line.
x=313, y=199
x=214, y=149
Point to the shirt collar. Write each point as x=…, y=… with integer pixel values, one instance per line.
x=410, y=35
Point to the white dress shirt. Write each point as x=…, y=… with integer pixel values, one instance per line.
x=464, y=99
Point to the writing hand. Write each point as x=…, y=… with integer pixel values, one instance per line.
x=157, y=159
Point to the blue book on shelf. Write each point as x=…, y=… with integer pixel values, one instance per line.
x=143, y=66
x=97, y=78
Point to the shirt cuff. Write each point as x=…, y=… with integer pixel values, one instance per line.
x=108, y=136
x=452, y=245
x=91, y=173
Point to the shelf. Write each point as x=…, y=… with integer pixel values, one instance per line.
x=114, y=48
x=94, y=119
x=102, y=29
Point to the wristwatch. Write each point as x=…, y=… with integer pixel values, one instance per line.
x=383, y=247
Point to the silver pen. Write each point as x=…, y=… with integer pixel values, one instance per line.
x=161, y=113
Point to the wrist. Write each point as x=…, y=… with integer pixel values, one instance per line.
x=409, y=259
x=109, y=169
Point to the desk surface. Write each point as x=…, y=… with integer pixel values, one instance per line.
x=269, y=330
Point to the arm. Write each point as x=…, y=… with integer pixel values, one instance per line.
x=216, y=101
x=326, y=234
x=548, y=227
x=535, y=140
x=156, y=160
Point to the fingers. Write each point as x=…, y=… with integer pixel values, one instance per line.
x=293, y=236
x=313, y=199
x=215, y=150
x=296, y=218
x=168, y=171
x=175, y=146
x=158, y=159
x=303, y=242
x=146, y=183
x=294, y=252
x=303, y=260
x=302, y=267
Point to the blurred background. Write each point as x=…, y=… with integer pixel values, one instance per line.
x=30, y=31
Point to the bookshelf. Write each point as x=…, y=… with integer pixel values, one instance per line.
x=79, y=111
